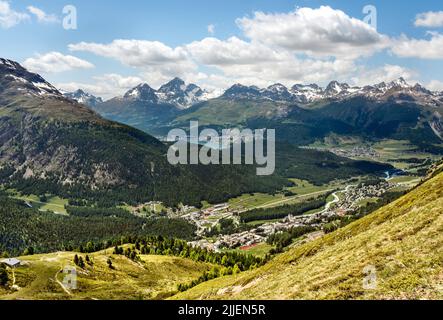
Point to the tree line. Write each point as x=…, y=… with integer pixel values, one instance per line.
x=226, y=263
x=284, y=211
x=160, y=245
x=26, y=229
x=283, y=239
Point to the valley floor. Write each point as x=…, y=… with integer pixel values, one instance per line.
x=395, y=253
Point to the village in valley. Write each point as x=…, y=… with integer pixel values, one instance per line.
x=339, y=204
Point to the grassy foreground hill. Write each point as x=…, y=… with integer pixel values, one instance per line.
x=403, y=241
x=154, y=277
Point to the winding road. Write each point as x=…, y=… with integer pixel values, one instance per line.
x=336, y=197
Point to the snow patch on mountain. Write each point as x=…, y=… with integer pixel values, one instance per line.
x=19, y=79
x=83, y=97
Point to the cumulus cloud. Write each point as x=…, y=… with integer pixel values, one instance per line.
x=319, y=32
x=135, y=53
x=429, y=19
x=9, y=17
x=42, y=16
x=119, y=81
x=53, y=62
x=212, y=51
x=151, y=56
x=105, y=86
x=435, y=85
x=419, y=48
x=256, y=63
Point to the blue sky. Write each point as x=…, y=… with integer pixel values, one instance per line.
x=289, y=42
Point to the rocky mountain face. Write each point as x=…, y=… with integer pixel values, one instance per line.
x=144, y=107
x=14, y=79
x=44, y=135
x=142, y=93
x=83, y=97
x=175, y=93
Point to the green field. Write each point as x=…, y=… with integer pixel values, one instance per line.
x=53, y=204
x=256, y=223
x=387, y=149
x=259, y=250
x=302, y=190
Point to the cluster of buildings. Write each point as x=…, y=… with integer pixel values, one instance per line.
x=349, y=200
x=354, y=195
x=356, y=152
x=208, y=218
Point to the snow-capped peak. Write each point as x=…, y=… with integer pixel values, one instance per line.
x=19, y=79
x=142, y=92
x=335, y=88
x=278, y=87
x=84, y=98
x=9, y=63
x=175, y=92
x=400, y=82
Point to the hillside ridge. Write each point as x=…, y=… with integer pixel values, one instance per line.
x=402, y=242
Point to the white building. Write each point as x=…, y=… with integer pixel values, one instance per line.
x=11, y=262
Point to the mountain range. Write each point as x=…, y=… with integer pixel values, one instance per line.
x=303, y=113
x=183, y=96
x=174, y=93
x=306, y=94
x=52, y=144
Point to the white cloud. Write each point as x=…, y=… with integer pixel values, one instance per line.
x=135, y=53
x=429, y=19
x=119, y=81
x=234, y=51
x=42, y=16
x=419, y=48
x=8, y=17
x=211, y=29
x=256, y=63
x=435, y=85
x=385, y=73
x=152, y=57
x=53, y=62
x=315, y=32
x=105, y=86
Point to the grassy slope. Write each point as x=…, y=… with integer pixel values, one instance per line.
x=155, y=278
x=403, y=240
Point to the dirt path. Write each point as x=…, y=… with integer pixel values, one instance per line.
x=13, y=277
x=61, y=284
